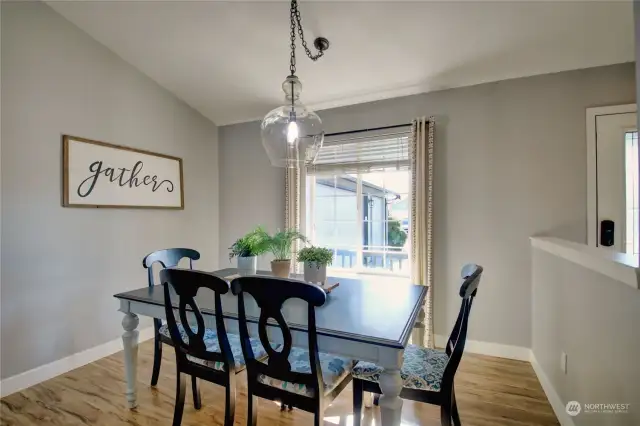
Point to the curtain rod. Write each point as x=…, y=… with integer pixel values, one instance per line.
x=350, y=132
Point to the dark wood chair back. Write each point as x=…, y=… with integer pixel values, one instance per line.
x=185, y=284
x=471, y=274
x=270, y=294
x=168, y=258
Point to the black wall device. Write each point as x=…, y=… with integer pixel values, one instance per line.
x=606, y=233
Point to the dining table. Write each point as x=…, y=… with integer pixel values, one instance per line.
x=368, y=320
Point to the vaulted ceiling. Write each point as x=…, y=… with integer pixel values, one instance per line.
x=228, y=59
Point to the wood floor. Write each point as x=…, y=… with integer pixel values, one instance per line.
x=490, y=391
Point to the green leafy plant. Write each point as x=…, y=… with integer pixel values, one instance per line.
x=395, y=234
x=254, y=243
x=280, y=243
x=319, y=255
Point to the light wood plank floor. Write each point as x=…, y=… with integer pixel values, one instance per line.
x=491, y=391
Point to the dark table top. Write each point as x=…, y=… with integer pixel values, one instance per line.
x=358, y=310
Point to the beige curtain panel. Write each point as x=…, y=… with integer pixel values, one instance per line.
x=421, y=161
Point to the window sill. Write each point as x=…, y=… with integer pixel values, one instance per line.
x=618, y=266
x=368, y=276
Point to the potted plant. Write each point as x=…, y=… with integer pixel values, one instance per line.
x=280, y=245
x=247, y=249
x=316, y=260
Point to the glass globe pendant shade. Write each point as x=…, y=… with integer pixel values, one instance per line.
x=292, y=134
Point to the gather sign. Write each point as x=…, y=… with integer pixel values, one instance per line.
x=99, y=174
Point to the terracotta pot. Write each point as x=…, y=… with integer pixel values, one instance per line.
x=280, y=268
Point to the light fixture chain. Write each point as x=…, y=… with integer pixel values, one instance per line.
x=296, y=20
x=292, y=66
x=302, y=40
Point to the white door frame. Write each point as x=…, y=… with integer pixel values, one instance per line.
x=592, y=165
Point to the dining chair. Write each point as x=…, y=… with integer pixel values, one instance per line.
x=296, y=377
x=211, y=355
x=167, y=258
x=427, y=374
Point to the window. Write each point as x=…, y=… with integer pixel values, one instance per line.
x=612, y=179
x=357, y=204
x=632, y=231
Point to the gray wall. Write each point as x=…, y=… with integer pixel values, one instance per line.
x=0, y=179
x=61, y=266
x=253, y=191
x=636, y=14
x=595, y=320
x=510, y=162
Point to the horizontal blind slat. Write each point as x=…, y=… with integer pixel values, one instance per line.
x=345, y=168
x=363, y=154
x=369, y=150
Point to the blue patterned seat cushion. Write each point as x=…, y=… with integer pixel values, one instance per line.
x=211, y=341
x=422, y=369
x=334, y=370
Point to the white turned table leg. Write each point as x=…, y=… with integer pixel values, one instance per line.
x=391, y=386
x=130, y=341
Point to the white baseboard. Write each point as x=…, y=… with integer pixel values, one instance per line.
x=558, y=406
x=45, y=372
x=493, y=349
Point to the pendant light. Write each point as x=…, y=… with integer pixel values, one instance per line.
x=292, y=134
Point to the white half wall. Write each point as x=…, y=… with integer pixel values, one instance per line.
x=595, y=320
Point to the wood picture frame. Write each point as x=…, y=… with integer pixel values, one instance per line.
x=108, y=170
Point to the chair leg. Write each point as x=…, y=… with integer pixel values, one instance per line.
x=445, y=412
x=197, y=399
x=445, y=416
x=357, y=402
x=252, y=409
x=157, y=359
x=454, y=410
x=180, y=391
x=230, y=402
x=376, y=399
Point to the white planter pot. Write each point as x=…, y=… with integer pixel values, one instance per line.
x=315, y=273
x=247, y=265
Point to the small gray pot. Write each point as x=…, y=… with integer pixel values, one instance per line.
x=315, y=273
x=247, y=265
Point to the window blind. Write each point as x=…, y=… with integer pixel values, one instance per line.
x=363, y=153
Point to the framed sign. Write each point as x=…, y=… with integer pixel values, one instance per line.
x=99, y=174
